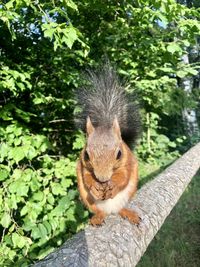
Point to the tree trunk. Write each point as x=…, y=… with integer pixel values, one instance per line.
x=189, y=114
x=117, y=242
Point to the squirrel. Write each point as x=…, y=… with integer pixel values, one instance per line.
x=107, y=170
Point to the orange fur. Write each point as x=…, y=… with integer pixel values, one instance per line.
x=92, y=191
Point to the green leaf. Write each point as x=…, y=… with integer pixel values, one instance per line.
x=4, y=150
x=79, y=141
x=18, y=240
x=66, y=182
x=172, y=144
x=5, y=220
x=27, y=174
x=9, y=4
x=3, y=174
x=45, y=251
x=72, y=194
x=24, y=210
x=39, y=232
x=181, y=73
x=50, y=199
x=19, y=187
x=71, y=4
x=64, y=203
x=17, y=173
x=192, y=71
x=12, y=202
x=49, y=33
x=30, y=152
x=47, y=225
x=173, y=47
x=35, y=233
x=57, y=189
x=38, y=196
x=69, y=36
x=17, y=154
x=43, y=230
x=70, y=215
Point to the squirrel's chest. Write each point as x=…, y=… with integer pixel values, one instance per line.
x=115, y=204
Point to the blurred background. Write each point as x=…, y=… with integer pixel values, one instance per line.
x=45, y=47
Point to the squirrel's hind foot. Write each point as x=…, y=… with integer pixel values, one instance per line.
x=131, y=215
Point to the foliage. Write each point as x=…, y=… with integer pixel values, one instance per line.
x=45, y=46
x=156, y=148
x=38, y=200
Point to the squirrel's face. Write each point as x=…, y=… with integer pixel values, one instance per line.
x=103, y=150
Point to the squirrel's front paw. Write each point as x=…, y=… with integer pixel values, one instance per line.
x=95, y=188
x=97, y=191
x=97, y=219
x=131, y=215
x=111, y=190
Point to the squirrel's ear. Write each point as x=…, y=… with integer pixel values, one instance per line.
x=116, y=127
x=89, y=126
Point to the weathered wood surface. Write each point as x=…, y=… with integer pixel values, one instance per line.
x=117, y=242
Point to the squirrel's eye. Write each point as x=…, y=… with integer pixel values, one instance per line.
x=119, y=154
x=86, y=156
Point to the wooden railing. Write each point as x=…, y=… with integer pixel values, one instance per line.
x=117, y=242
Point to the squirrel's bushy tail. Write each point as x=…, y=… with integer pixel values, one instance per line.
x=106, y=98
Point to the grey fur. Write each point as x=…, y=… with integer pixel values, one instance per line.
x=106, y=98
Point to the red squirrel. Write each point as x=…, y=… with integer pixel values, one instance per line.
x=107, y=170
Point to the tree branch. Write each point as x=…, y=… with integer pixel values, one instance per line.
x=117, y=242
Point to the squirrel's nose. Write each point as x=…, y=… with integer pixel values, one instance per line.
x=102, y=178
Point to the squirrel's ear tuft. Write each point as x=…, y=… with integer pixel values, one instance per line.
x=89, y=126
x=116, y=127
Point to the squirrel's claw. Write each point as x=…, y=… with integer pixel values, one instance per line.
x=131, y=215
x=97, y=219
